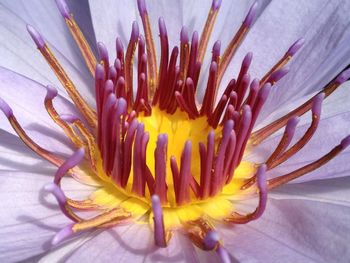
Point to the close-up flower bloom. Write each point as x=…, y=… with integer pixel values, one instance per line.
x=174, y=131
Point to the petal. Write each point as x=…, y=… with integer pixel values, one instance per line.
x=335, y=191
x=25, y=209
x=131, y=243
x=323, y=24
x=292, y=231
x=334, y=126
x=20, y=54
x=26, y=98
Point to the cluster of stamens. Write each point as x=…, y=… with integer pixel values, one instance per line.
x=114, y=140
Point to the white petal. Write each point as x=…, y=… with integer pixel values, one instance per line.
x=292, y=231
x=20, y=54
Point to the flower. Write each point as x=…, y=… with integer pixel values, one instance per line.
x=127, y=201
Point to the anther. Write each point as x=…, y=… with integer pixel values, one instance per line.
x=159, y=230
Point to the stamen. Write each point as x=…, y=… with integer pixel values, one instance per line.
x=237, y=218
x=184, y=53
x=208, y=28
x=69, y=131
x=207, y=165
x=70, y=163
x=129, y=61
x=192, y=65
x=160, y=157
x=237, y=40
x=74, y=94
x=275, y=182
x=276, y=76
x=5, y=108
x=184, y=176
x=223, y=254
x=198, y=231
x=139, y=182
x=57, y=192
x=316, y=112
x=151, y=50
x=159, y=230
x=211, y=240
x=104, y=59
x=89, y=138
x=107, y=219
x=78, y=36
x=284, y=60
x=210, y=93
x=260, y=135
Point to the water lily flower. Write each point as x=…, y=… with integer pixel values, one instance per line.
x=222, y=141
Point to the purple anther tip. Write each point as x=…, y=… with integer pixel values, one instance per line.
x=62, y=235
x=255, y=84
x=122, y=106
x=247, y=59
x=109, y=85
x=119, y=44
x=292, y=124
x=184, y=37
x=162, y=27
x=345, y=142
x=141, y=4
x=135, y=31
x=156, y=206
x=210, y=240
x=317, y=104
x=57, y=192
x=51, y=92
x=223, y=255
x=63, y=7
x=228, y=128
x=248, y=21
x=216, y=4
x=117, y=64
x=295, y=47
x=261, y=177
x=102, y=50
x=195, y=37
x=5, y=108
x=99, y=72
x=344, y=76
x=213, y=66
x=278, y=74
x=70, y=118
x=37, y=38
x=265, y=91
x=247, y=112
x=217, y=47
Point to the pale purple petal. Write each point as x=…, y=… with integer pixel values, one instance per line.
x=20, y=54
x=26, y=98
x=292, y=231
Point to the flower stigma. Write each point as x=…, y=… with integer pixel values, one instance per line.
x=158, y=155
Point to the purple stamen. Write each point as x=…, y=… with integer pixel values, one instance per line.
x=63, y=8
x=216, y=4
x=184, y=36
x=51, y=92
x=295, y=47
x=135, y=32
x=37, y=38
x=141, y=4
x=62, y=235
x=248, y=21
x=345, y=142
x=5, y=108
x=277, y=75
x=70, y=118
x=185, y=174
x=317, y=104
x=102, y=50
x=159, y=231
x=223, y=255
x=344, y=76
x=160, y=157
x=71, y=162
x=210, y=240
